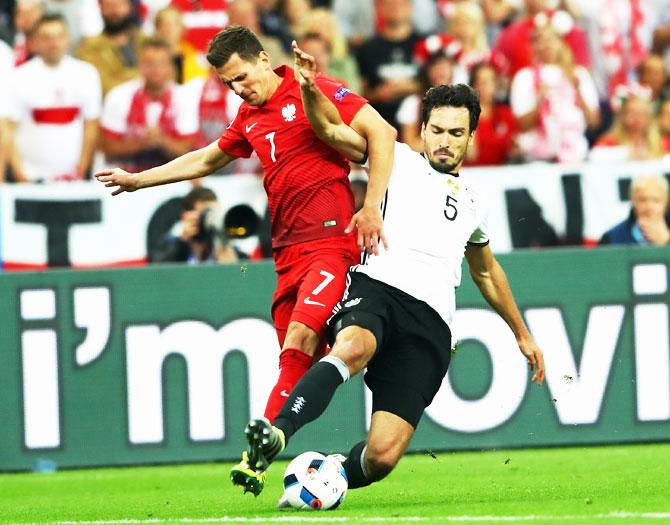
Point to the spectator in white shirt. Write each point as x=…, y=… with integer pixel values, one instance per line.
x=54, y=106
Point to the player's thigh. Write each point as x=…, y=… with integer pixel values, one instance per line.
x=388, y=439
x=320, y=290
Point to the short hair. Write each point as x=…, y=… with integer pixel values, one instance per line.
x=233, y=39
x=155, y=43
x=454, y=95
x=51, y=17
x=655, y=179
x=196, y=195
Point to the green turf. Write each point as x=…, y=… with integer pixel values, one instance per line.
x=573, y=485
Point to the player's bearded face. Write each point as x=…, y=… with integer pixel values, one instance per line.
x=446, y=138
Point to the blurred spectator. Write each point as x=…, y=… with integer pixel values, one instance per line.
x=553, y=101
x=342, y=65
x=216, y=106
x=438, y=69
x=647, y=223
x=664, y=125
x=619, y=36
x=388, y=72
x=515, y=42
x=147, y=121
x=191, y=240
x=82, y=17
x=494, y=140
x=188, y=62
x=26, y=16
x=465, y=38
x=313, y=44
x=54, y=109
x=114, y=52
x=6, y=73
x=359, y=20
x=244, y=13
x=202, y=19
x=294, y=12
x=653, y=74
x=273, y=23
x=634, y=134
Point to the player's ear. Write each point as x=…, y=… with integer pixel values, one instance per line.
x=423, y=131
x=264, y=57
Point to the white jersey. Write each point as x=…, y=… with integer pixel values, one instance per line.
x=49, y=105
x=429, y=218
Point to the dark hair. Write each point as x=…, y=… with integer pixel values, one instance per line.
x=476, y=69
x=455, y=95
x=155, y=43
x=196, y=195
x=50, y=17
x=233, y=39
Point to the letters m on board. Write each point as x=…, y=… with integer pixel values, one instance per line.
x=203, y=349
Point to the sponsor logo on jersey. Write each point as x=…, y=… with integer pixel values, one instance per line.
x=353, y=302
x=307, y=300
x=288, y=112
x=341, y=93
x=249, y=128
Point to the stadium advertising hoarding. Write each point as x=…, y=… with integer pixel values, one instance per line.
x=166, y=364
x=79, y=224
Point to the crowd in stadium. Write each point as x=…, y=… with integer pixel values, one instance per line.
x=93, y=83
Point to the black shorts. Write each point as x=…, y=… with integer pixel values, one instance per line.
x=413, y=345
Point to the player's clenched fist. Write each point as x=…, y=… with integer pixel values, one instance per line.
x=119, y=179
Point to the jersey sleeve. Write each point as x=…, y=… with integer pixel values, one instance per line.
x=480, y=237
x=233, y=141
x=346, y=101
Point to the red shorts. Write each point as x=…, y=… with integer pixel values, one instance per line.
x=311, y=280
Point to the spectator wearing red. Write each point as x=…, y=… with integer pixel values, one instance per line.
x=147, y=121
x=203, y=19
x=54, y=106
x=635, y=134
x=464, y=40
x=493, y=142
x=554, y=102
x=515, y=43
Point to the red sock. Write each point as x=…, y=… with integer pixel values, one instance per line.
x=292, y=366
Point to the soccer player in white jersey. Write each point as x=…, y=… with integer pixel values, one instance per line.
x=396, y=313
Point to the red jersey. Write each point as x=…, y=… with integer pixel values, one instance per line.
x=306, y=181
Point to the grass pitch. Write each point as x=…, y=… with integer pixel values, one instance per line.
x=601, y=485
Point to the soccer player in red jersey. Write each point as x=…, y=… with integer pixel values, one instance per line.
x=310, y=200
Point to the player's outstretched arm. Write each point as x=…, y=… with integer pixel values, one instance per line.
x=192, y=165
x=322, y=114
x=492, y=282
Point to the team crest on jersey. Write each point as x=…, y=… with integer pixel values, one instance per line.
x=341, y=93
x=353, y=302
x=288, y=112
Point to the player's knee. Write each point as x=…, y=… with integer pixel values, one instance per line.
x=380, y=461
x=355, y=346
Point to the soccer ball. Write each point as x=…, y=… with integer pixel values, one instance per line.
x=314, y=481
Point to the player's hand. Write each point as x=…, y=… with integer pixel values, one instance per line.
x=119, y=179
x=305, y=66
x=533, y=353
x=370, y=225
